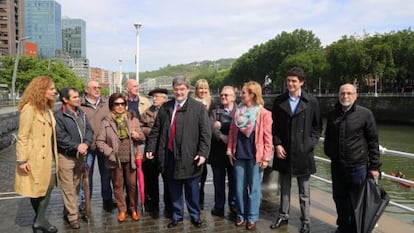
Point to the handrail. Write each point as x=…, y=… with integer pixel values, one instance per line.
x=383, y=175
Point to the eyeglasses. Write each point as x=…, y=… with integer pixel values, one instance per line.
x=346, y=93
x=116, y=104
x=96, y=88
x=225, y=95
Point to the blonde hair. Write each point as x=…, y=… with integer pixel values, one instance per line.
x=35, y=94
x=207, y=100
x=255, y=89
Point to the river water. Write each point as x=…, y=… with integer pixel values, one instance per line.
x=394, y=137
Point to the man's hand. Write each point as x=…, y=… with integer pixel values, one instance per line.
x=374, y=174
x=280, y=152
x=149, y=155
x=83, y=149
x=200, y=159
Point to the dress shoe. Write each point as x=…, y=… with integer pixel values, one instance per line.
x=250, y=225
x=121, y=217
x=305, y=228
x=279, y=222
x=217, y=212
x=74, y=224
x=48, y=229
x=239, y=222
x=108, y=206
x=197, y=223
x=174, y=223
x=135, y=215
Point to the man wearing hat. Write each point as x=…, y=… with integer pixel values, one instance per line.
x=150, y=167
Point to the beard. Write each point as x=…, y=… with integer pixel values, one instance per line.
x=346, y=103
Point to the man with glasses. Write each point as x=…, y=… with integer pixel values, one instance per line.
x=181, y=139
x=351, y=142
x=221, y=118
x=96, y=108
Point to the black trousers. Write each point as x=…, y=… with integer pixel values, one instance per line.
x=152, y=191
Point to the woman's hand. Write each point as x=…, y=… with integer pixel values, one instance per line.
x=264, y=164
x=232, y=158
x=25, y=167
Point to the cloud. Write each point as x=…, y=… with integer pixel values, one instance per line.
x=183, y=31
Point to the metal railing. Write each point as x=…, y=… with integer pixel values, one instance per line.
x=384, y=175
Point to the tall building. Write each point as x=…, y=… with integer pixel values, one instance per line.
x=11, y=26
x=43, y=26
x=74, y=37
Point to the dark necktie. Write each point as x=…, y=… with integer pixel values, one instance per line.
x=172, y=130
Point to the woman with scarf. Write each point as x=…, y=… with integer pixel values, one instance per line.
x=250, y=150
x=117, y=140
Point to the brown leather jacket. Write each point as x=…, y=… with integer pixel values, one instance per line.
x=148, y=119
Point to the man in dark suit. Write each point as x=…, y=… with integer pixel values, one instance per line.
x=297, y=127
x=181, y=139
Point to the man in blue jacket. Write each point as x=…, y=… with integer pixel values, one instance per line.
x=74, y=136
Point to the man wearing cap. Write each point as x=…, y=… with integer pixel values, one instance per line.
x=150, y=167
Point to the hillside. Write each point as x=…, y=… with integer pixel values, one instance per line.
x=189, y=70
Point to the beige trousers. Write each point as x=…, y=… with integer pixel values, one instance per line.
x=69, y=178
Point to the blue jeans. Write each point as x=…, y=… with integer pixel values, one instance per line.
x=106, y=188
x=219, y=180
x=248, y=189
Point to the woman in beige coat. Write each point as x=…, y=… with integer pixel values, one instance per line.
x=36, y=149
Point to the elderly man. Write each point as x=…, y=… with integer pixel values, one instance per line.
x=136, y=104
x=221, y=118
x=150, y=167
x=96, y=108
x=351, y=142
x=181, y=139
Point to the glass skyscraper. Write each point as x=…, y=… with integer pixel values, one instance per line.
x=43, y=26
x=74, y=37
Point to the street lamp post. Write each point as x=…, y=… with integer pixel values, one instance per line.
x=120, y=76
x=137, y=26
x=16, y=64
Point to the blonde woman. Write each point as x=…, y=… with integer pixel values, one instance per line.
x=250, y=149
x=36, y=149
x=202, y=94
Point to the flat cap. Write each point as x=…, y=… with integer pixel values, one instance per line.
x=158, y=90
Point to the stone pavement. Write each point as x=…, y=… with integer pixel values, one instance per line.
x=16, y=213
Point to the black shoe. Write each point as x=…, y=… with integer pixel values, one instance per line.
x=201, y=205
x=305, y=228
x=197, y=223
x=174, y=223
x=167, y=213
x=47, y=228
x=217, y=212
x=279, y=222
x=108, y=206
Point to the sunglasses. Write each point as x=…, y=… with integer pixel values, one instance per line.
x=116, y=104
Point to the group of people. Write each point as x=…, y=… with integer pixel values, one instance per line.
x=177, y=138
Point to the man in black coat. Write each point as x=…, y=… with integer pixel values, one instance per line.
x=351, y=142
x=296, y=130
x=181, y=139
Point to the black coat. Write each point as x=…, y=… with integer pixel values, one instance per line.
x=218, y=156
x=192, y=137
x=351, y=137
x=298, y=134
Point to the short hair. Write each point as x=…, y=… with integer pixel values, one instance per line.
x=181, y=80
x=255, y=89
x=113, y=97
x=230, y=88
x=298, y=72
x=64, y=93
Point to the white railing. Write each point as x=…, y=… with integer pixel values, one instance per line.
x=383, y=150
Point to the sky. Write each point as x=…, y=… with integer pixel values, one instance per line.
x=183, y=31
